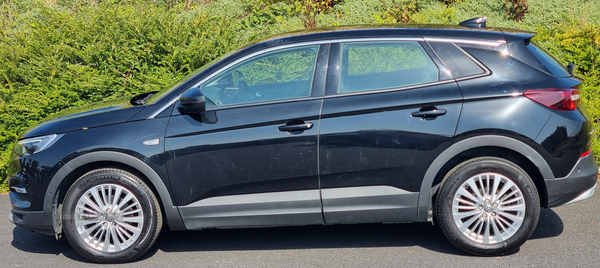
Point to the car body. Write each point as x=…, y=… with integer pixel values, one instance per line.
x=340, y=125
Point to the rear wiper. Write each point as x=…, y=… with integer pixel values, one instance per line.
x=571, y=68
x=141, y=98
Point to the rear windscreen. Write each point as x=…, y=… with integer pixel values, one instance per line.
x=550, y=62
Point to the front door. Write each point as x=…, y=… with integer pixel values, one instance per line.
x=251, y=158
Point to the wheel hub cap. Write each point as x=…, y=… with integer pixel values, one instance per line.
x=109, y=218
x=488, y=208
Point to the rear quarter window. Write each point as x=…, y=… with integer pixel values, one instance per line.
x=459, y=64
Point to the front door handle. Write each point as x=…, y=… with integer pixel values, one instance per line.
x=296, y=127
x=429, y=113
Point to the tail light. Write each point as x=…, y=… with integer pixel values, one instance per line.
x=585, y=154
x=557, y=99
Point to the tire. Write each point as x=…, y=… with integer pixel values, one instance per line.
x=498, y=219
x=92, y=216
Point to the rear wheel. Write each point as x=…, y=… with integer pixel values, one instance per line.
x=111, y=216
x=487, y=206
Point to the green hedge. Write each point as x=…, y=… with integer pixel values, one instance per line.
x=58, y=54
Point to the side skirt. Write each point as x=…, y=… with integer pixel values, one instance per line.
x=369, y=204
x=254, y=210
x=366, y=204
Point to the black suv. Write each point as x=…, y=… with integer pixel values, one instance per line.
x=474, y=128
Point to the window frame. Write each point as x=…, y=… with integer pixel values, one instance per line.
x=335, y=66
x=208, y=87
x=323, y=46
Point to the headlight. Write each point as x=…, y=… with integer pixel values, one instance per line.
x=35, y=145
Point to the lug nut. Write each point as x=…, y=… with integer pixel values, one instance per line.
x=495, y=205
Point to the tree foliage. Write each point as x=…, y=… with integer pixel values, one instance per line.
x=61, y=54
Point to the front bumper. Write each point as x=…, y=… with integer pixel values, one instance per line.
x=577, y=186
x=37, y=221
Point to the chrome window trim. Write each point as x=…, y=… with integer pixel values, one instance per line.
x=351, y=40
x=347, y=40
x=224, y=68
x=217, y=108
x=389, y=89
x=466, y=41
x=161, y=109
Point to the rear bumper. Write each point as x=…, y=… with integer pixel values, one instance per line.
x=37, y=221
x=577, y=186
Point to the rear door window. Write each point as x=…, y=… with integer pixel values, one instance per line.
x=384, y=65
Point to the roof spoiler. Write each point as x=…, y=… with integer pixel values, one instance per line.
x=477, y=23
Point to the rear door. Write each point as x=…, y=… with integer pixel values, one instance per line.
x=390, y=109
x=251, y=158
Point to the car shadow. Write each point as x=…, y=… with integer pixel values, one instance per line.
x=306, y=237
x=33, y=242
x=423, y=235
x=549, y=225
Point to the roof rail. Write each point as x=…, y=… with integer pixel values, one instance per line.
x=477, y=23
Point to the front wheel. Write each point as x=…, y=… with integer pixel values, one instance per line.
x=487, y=206
x=111, y=216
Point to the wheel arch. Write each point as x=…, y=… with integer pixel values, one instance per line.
x=487, y=145
x=73, y=169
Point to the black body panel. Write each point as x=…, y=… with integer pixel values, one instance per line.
x=32, y=173
x=361, y=156
x=91, y=119
x=375, y=134
x=372, y=139
x=240, y=150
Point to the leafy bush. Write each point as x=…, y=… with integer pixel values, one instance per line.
x=61, y=54
x=52, y=58
x=516, y=9
x=579, y=42
x=398, y=11
x=309, y=9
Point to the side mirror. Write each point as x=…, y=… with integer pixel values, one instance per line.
x=192, y=101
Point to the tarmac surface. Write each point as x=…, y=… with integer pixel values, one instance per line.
x=566, y=236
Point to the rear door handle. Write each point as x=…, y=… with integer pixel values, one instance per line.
x=429, y=113
x=296, y=127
